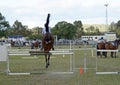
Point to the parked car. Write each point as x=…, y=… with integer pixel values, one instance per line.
x=61, y=41
x=78, y=42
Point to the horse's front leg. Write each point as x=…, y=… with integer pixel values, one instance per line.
x=46, y=61
x=98, y=53
x=111, y=54
x=105, y=54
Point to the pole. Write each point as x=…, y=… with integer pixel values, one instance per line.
x=8, y=62
x=85, y=57
x=106, y=15
x=71, y=63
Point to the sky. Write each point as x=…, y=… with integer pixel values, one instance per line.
x=34, y=12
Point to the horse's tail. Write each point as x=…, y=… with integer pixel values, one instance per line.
x=47, y=23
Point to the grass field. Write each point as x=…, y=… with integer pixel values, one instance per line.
x=58, y=64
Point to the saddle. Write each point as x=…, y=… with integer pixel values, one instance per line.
x=112, y=42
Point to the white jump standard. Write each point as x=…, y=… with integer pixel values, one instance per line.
x=97, y=62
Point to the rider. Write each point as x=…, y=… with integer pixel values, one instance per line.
x=101, y=40
x=46, y=29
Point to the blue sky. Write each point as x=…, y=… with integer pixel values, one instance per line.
x=33, y=12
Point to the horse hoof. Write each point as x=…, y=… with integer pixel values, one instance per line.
x=46, y=66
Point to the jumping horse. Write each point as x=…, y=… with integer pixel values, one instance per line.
x=47, y=42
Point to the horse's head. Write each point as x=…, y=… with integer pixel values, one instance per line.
x=35, y=44
x=117, y=41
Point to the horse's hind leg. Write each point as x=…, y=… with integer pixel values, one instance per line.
x=115, y=54
x=46, y=60
x=105, y=54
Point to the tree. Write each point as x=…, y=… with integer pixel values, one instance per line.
x=36, y=33
x=64, y=30
x=4, y=26
x=19, y=29
x=115, y=27
x=92, y=31
x=112, y=27
x=37, y=30
x=80, y=29
x=97, y=32
x=117, y=30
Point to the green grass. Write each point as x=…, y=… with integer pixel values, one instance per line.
x=60, y=63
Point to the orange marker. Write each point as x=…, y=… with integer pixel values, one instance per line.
x=81, y=70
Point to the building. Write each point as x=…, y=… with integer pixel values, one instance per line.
x=93, y=38
x=16, y=38
x=108, y=36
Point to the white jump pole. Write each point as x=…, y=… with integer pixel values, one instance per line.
x=108, y=50
x=8, y=62
x=107, y=73
x=70, y=58
x=85, y=57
